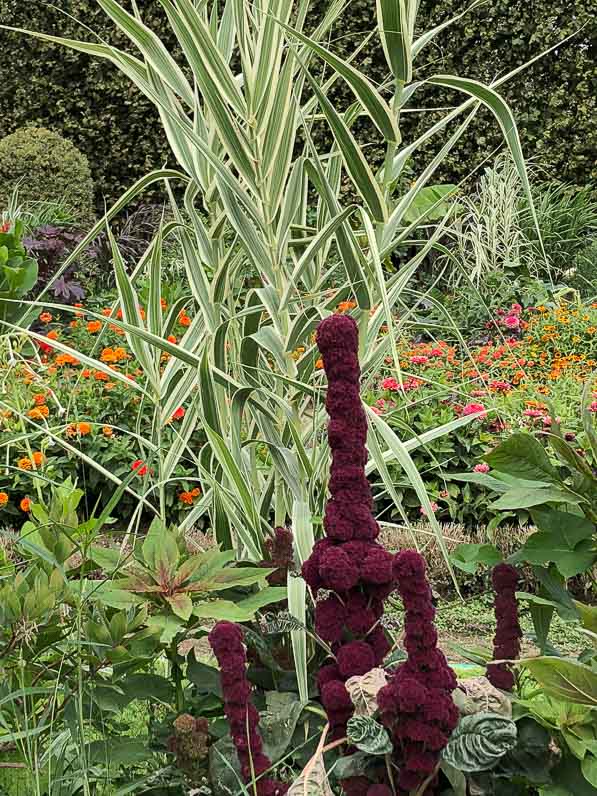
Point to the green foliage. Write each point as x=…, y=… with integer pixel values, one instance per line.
x=124, y=140
x=46, y=167
x=18, y=271
x=368, y=735
x=480, y=741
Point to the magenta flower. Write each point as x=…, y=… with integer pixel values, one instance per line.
x=481, y=468
x=473, y=409
x=419, y=359
x=390, y=384
x=511, y=322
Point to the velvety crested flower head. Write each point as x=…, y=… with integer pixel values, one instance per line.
x=226, y=640
x=506, y=644
x=330, y=618
x=337, y=570
x=281, y=556
x=356, y=657
x=379, y=790
x=416, y=704
x=504, y=576
x=377, y=566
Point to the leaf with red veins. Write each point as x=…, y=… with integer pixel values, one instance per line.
x=181, y=605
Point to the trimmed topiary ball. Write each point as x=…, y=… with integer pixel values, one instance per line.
x=46, y=167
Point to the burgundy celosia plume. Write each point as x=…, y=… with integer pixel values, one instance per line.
x=416, y=705
x=226, y=640
x=506, y=644
x=348, y=565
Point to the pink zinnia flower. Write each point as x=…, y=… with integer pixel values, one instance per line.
x=593, y=407
x=473, y=409
x=481, y=468
x=390, y=384
x=434, y=508
x=532, y=413
x=516, y=309
x=511, y=322
x=419, y=359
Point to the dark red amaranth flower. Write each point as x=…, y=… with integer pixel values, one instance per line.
x=506, y=644
x=349, y=563
x=226, y=640
x=280, y=551
x=416, y=705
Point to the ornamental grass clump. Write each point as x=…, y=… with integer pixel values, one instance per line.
x=416, y=705
x=349, y=573
x=226, y=640
x=506, y=644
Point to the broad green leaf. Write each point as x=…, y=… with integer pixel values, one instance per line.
x=469, y=557
x=563, y=678
x=480, y=741
x=368, y=735
x=181, y=605
x=527, y=498
x=523, y=456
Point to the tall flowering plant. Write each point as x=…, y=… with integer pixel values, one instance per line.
x=416, y=704
x=506, y=644
x=226, y=640
x=349, y=572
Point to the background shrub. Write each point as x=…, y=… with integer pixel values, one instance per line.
x=46, y=168
x=95, y=106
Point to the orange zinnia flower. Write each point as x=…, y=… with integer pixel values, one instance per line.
x=39, y=399
x=66, y=359
x=345, y=306
x=319, y=364
x=38, y=412
x=186, y=497
x=183, y=318
x=94, y=326
x=99, y=375
x=107, y=312
x=172, y=339
x=25, y=463
x=163, y=303
x=45, y=317
x=25, y=504
x=107, y=431
x=84, y=428
x=73, y=324
x=3, y=498
x=52, y=335
x=38, y=458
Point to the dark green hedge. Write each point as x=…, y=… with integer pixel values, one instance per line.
x=89, y=102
